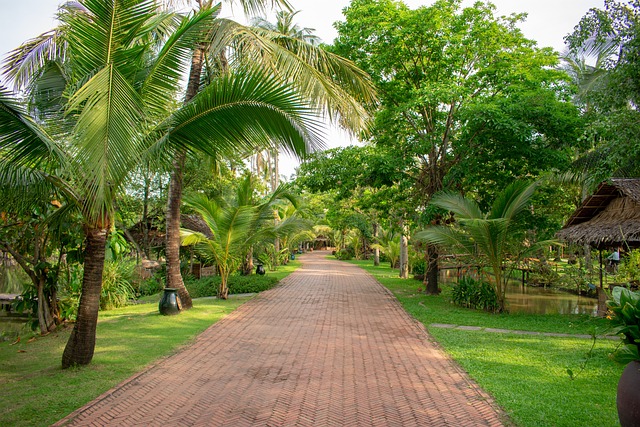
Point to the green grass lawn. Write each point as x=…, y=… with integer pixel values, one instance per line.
x=526, y=374
x=37, y=392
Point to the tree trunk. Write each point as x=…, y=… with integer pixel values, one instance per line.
x=174, y=277
x=247, y=264
x=146, y=247
x=432, y=273
x=223, y=289
x=404, y=255
x=376, y=251
x=81, y=344
x=172, y=249
x=45, y=320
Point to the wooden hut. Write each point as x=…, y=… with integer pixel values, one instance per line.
x=609, y=218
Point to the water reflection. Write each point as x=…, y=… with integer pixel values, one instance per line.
x=537, y=300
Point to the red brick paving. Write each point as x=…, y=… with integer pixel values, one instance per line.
x=328, y=347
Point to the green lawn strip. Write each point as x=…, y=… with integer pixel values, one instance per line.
x=526, y=374
x=438, y=309
x=37, y=392
x=528, y=377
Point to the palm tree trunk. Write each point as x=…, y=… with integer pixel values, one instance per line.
x=174, y=277
x=404, y=252
x=172, y=250
x=79, y=349
x=376, y=251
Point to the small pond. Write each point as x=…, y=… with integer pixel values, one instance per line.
x=539, y=300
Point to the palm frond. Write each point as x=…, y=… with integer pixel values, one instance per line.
x=23, y=142
x=512, y=200
x=331, y=83
x=110, y=113
x=27, y=60
x=216, y=121
x=446, y=236
x=163, y=79
x=462, y=207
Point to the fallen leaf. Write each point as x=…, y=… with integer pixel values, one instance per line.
x=16, y=341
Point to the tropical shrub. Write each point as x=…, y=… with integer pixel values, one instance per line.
x=151, y=286
x=472, y=293
x=116, y=284
x=345, y=254
x=238, y=284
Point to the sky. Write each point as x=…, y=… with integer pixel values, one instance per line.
x=548, y=22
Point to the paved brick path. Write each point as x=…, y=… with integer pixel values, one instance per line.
x=329, y=347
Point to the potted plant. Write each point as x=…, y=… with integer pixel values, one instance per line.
x=625, y=306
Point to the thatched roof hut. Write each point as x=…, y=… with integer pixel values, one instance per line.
x=608, y=218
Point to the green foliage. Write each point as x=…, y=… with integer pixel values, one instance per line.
x=472, y=293
x=418, y=266
x=625, y=306
x=117, y=290
x=630, y=267
x=612, y=35
x=152, y=285
x=467, y=101
x=271, y=258
x=208, y=286
x=488, y=237
x=345, y=254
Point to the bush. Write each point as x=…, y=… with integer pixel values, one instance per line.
x=208, y=286
x=151, y=286
x=116, y=284
x=472, y=293
x=344, y=254
x=419, y=267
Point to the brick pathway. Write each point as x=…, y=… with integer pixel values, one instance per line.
x=329, y=347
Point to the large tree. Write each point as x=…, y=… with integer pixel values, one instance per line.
x=611, y=105
x=119, y=72
x=450, y=80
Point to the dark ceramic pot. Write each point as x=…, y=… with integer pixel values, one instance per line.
x=293, y=257
x=628, y=399
x=260, y=270
x=170, y=302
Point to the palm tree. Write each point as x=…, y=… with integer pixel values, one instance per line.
x=235, y=226
x=588, y=77
x=389, y=243
x=325, y=80
x=487, y=236
x=119, y=72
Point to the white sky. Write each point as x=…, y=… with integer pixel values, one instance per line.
x=548, y=22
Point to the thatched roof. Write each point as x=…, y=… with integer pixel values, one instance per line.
x=610, y=217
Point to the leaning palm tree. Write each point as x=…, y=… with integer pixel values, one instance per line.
x=487, y=236
x=110, y=105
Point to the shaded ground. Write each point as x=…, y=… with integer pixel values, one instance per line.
x=329, y=346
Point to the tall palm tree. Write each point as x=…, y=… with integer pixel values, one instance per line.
x=119, y=71
x=486, y=236
x=325, y=80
